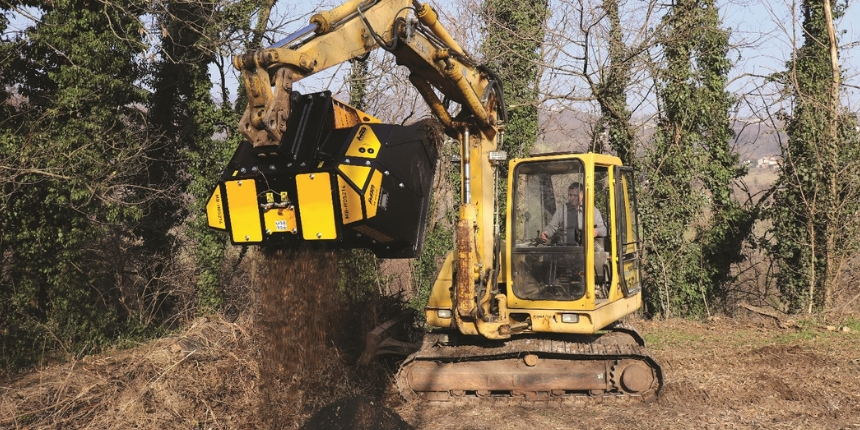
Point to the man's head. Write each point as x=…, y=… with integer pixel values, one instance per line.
x=575, y=194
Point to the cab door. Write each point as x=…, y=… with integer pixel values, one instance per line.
x=629, y=249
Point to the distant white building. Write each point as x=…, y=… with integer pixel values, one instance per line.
x=771, y=162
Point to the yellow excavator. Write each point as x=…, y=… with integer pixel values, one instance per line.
x=531, y=314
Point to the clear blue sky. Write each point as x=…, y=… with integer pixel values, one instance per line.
x=765, y=30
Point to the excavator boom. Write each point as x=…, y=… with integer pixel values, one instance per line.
x=326, y=175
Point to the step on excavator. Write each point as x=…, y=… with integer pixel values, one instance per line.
x=529, y=305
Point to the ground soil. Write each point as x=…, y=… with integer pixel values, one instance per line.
x=356, y=412
x=723, y=373
x=745, y=373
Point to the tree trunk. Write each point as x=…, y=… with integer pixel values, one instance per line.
x=832, y=227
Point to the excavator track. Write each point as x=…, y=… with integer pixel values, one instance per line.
x=613, y=367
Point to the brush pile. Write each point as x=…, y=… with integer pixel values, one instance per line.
x=277, y=366
x=203, y=378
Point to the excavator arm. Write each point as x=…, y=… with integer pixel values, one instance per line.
x=342, y=183
x=352, y=30
x=375, y=190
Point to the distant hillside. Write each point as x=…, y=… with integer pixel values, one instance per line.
x=754, y=140
x=569, y=130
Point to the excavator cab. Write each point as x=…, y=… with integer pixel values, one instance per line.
x=550, y=327
x=573, y=239
x=579, y=281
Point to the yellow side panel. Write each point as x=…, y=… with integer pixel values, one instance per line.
x=350, y=202
x=616, y=310
x=357, y=174
x=279, y=220
x=215, y=210
x=364, y=144
x=371, y=195
x=316, y=207
x=244, y=211
x=440, y=295
x=549, y=320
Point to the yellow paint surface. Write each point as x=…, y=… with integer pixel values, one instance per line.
x=357, y=174
x=280, y=220
x=215, y=210
x=371, y=194
x=244, y=211
x=364, y=144
x=316, y=208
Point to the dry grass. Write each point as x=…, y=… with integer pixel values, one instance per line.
x=295, y=353
x=201, y=378
x=722, y=373
x=277, y=365
x=719, y=374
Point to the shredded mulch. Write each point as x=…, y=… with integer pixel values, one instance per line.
x=356, y=413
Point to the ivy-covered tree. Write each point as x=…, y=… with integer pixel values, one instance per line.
x=613, y=126
x=729, y=224
x=694, y=228
x=814, y=208
x=186, y=120
x=96, y=173
x=512, y=47
x=71, y=146
x=181, y=68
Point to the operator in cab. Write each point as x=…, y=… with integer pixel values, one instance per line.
x=568, y=220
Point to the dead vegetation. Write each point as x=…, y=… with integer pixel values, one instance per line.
x=735, y=373
x=291, y=355
x=292, y=363
x=202, y=378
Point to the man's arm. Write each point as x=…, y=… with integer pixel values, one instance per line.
x=554, y=224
